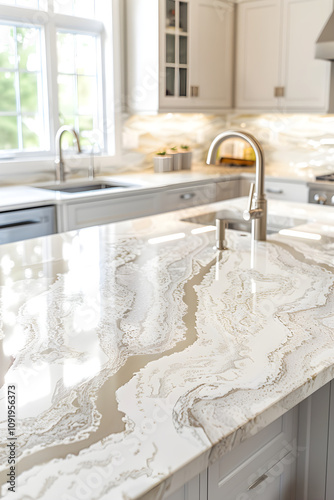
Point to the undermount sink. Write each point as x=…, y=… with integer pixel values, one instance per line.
x=234, y=220
x=85, y=186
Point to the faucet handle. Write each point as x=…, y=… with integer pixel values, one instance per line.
x=252, y=213
x=250, y=197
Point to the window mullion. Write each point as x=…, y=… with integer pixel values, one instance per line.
x=52, y=67
x=76, y=108
x=51, y=8
x=18, y=97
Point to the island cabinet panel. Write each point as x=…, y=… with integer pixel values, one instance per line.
x=263, y=467
x=196, y=489
x=330, y=462
x=313, y=442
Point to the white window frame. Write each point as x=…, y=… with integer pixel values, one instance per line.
x=111, y=37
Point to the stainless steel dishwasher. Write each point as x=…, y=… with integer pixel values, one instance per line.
x=17, y=225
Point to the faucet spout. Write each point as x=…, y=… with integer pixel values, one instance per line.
x=258, y=214
x=59, y=162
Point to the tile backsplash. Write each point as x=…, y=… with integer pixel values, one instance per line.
x=297, y=141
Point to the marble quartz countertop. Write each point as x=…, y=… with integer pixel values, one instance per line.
x=140, y=355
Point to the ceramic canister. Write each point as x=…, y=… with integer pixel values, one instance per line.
x=163, y=163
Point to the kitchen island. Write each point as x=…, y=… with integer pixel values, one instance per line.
x=139, y=355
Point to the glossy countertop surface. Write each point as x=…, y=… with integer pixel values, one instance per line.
x=140, y=354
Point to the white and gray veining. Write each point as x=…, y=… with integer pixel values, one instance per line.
x=124, y=350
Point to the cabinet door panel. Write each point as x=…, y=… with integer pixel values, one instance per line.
x=286, y=191
x=312, y=446
x=212, y=52
x=142, y=42
x=275, y=483
x=305, y=78
x=330, y=461
x=258, y=50
x=263, y=467
x=93, y=213
x=190, y=491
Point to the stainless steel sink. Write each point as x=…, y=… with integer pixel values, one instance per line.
x=84, y=186
x=235, y=221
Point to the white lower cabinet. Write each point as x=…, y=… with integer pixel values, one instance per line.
x=103, y=211
x=330, y=456
x=278, y=189
x=196, y=489
x=263, y=467
x=290, y=459
x=94, y=211
x=315, y=465
x=286, y=191
x=76, y=214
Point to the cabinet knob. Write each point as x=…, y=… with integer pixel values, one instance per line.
x=320, y=199
x=194, y=91
x=279, y=91
x=187, y=196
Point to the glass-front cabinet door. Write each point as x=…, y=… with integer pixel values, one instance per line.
x=175, y=63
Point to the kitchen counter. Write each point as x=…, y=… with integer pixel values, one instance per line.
x=20, y=197
x=138, y=361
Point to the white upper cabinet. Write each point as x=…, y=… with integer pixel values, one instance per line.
x=275, y=64
x=179, y=55
x=212, y=52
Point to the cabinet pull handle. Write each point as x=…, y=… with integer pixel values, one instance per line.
x=194, y=91
x=274, y=191
x=187, y=196
x=10, y=225
x=258, y=481
x=279, y=91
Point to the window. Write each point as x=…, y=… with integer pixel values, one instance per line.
x=22, y=120
x=51, y=74
x=78, y=82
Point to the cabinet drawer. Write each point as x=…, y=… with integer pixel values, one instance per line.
x=175, y=199
x=254, y=464
x=93, y=213
x=286, y=191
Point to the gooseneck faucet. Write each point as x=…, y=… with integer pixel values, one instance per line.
x=258, y=213
x=60, y=164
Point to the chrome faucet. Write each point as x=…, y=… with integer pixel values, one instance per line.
x=60, y=164
x=257, y=214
